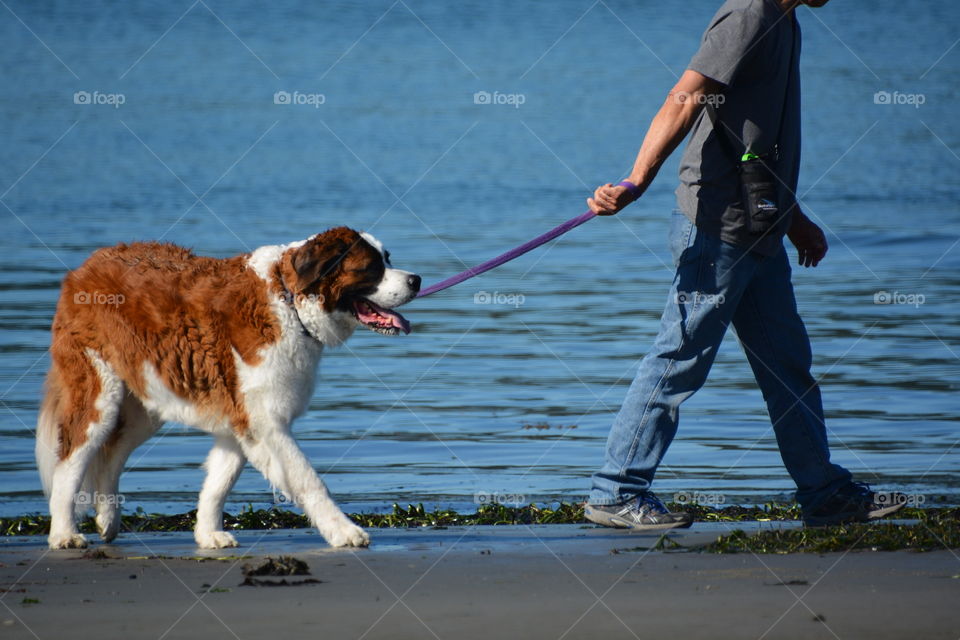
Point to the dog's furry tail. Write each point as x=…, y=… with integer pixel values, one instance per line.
x=48, y=430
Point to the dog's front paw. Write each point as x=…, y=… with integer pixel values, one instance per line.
x=67, y=541
x=347, y=534
x=214, y=539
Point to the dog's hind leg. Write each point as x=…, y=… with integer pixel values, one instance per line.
x=278, y=457
x=134, y=427
x=91, y=405
x=223, y=464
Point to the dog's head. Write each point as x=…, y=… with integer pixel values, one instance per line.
x=346, y=277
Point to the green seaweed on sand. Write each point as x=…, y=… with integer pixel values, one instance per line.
x=934, y=532
x=97, y=554
x=281, y=566
x=488, y=514
x=937, y=529
x=28, y=525
x=770, y=511
x=943, y=522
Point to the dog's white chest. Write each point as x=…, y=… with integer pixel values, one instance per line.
x=278, y=388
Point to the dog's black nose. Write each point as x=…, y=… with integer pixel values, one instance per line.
x=414, y=282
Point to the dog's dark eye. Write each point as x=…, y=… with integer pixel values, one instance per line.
x=370, y=270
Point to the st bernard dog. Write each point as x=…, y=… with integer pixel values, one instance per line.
x=147, y=333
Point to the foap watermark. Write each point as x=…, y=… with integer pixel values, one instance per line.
x=98, y=297
x=97, y=97
x=711, y=99
x=299, y=98
x=908, y=499
x=512, y=99
x=307, y=503
x=896, y=97
x=512, y=299
x=704, y=499
x=281, y=499
x=900, y=298
x=496, y=497
x=698, y=298
x=302, y=298
x=88, y=499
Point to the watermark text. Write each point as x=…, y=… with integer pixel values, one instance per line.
x=512, y=99
x=514, y=300
x=898, y=98
x=299, y=98
x=496, y=497
x=97, y=97
x=899, y=298
x=698, y=298
x=98, y=297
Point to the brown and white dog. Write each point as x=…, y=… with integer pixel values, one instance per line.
x=148, y=333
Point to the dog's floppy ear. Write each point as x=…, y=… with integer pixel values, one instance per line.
x=314, y=262
x=322, y=257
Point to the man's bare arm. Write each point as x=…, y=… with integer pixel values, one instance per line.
x=667, y=130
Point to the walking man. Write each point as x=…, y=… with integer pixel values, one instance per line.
x=740, y=97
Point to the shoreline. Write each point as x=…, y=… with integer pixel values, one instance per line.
x=915, y=529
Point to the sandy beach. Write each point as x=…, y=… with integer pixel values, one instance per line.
x=541, y=581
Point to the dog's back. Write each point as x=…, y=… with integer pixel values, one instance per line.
x=154, y=305
x=125, y=310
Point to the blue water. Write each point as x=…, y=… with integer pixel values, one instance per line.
x=198, y=153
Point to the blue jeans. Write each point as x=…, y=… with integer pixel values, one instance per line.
x=717, y=284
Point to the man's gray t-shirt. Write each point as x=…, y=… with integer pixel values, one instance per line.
x=747, y=47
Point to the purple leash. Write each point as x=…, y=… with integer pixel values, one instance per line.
x=492, y=263
x=508, y=256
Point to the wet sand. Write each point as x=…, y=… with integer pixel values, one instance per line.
x=554, y=581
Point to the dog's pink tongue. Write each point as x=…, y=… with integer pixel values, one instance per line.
x=397, y=320
x=376, y=313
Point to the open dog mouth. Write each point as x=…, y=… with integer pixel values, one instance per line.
x=376, y=318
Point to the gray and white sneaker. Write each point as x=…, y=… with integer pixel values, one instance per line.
x=644, y=513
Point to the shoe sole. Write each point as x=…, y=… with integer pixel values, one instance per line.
x=854, y=517
x=607, y=520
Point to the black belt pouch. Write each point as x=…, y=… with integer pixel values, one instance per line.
x=759, y=198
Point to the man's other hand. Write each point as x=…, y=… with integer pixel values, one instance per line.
x=808, y=238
